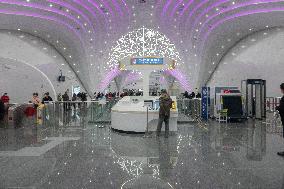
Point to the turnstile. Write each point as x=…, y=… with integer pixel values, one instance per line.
x=254, y=95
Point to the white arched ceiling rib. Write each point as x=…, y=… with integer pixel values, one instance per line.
x=237, y=12
x=77, y=11
x=44, y=9
x=34, y=68
x=32, y=18
x=179, y=3
x=216, y=45
x=208, y=25
x=47, y=18
x=88, y=20
x=267, y=6
x=92, y=14
x=94, y=25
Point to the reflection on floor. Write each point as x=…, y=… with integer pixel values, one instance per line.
x=237, y=155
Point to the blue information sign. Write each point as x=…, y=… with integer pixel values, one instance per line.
x=205, y=102
x=147, y=61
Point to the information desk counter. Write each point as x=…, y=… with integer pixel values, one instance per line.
x=130, y=115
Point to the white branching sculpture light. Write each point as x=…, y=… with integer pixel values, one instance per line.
x=143, y=42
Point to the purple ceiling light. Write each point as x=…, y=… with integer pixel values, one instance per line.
x=180, y=77
x=90, y=10
x=117, y=7
x=197, y=7
x=131, y=77
x=206, y=11
x=109, y=77
x=186, y=7
x=232, y=17
x=165, y=8
x=125, y=4
x=175, y=8
x=96, y=6
x=162, y=80
x=159, y=3
x=248, y=3
x=122, y=4
x=49, y=18
x=108, y=8
x=69, y=6
x=35, y=6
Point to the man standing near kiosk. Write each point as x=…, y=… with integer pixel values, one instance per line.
x=164, y=112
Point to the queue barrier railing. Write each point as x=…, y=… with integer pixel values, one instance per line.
x=189, y=110
x=18, y=112
x=271, y=103
x=77, y=113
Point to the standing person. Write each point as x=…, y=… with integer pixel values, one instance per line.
x=46, y=98
x=59, y=97
x=35, y=100
x=280, y=108
x=79, y=98
x=74, y=99
x=36, y=103
x=186, y=95
x=84, y=96
x=198, y=95
x=98, y=95
x=84, y=99
x=65, y=98
x=164, y=112
x=5, y=98
x=192, y=95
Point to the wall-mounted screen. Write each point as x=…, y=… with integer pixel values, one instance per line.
x=76, y=89
x=147, y=61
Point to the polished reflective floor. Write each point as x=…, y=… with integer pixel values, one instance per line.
x=236, y=155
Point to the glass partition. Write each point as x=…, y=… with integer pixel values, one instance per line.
x=77, y=114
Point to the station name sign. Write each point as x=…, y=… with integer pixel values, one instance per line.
x=147, y=61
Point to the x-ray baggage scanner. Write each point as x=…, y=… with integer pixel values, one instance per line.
x=230, y=99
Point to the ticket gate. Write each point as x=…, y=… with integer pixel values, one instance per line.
x=254, y=95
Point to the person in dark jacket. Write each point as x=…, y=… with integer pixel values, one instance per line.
x=186, y=95
x=198, y=95
x=46, y=98
x=164, y=112
x=65, y=98
x=192, y=95
x=74, y=99
x=280, y=108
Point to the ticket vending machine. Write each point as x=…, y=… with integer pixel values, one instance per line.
x=254, y=94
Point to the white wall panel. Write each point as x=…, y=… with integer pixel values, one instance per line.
x=28, y=64
x=259, y=56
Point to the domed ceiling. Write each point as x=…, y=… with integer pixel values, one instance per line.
x=85, y=31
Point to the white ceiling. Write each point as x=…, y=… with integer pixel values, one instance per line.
x=84, y=31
